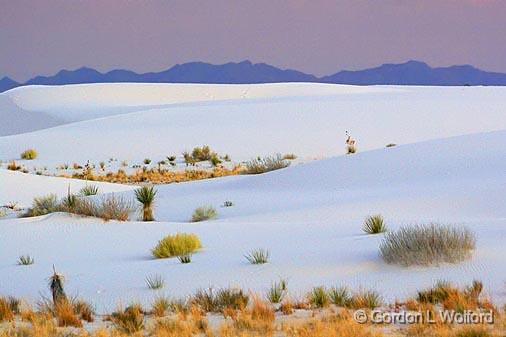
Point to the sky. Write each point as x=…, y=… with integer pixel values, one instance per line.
x=40, y=37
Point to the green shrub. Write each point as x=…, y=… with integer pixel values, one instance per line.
x=427, y=244
x=176, y=245
x=29, y=154
x=374, y=224
x=204, y=213
x=266, y=164
x=340, y=296
x=202, y=153
x=25, y=260
x=318, y=297
x=209, y=300
x=258, y=256
x=89, y=190
x=366, y=299
x=215, y=160
x=147, y=161
x=277, y=291
x=146, y=196
x=43, y=205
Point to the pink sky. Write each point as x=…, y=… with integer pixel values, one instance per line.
x=315, y=36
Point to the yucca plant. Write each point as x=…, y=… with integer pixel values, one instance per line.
x=69, y=201
x=318, y=297
x=25, y=260
x=340, y=296
x=56, y=286
x=277, y=291
x=374, y=224
x=146, y=196
x=155, y=282
x=185, y=258
x=89, y=190
x=258, y=256
x=204, y=213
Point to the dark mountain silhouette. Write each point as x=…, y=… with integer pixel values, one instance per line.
x=417, y=73
x=409, y=73
x=7, y=83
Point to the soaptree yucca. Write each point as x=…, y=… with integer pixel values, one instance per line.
x=146, y=196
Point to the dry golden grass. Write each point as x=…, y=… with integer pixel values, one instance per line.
x=66, y=315
x=6, y=313
x=156, y=176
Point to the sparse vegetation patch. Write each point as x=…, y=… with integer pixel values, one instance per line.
x=176, y=245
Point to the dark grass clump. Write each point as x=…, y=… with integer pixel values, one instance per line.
x=155, y=282
x=129, y=320
x=89, y=190
x=318, y=297
x=277, y=292
x=258, y=256
x=25, y=260
x=427, y=245
x=209, y=300
x=374, y=224
x=204, y=213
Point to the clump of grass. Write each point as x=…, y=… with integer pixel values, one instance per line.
x=130, y=320
x=266, y=164
x=427, y=244
x=43, y=205
x=228, y=203
x=258, y=256
x=340, y=296
x=471, y=331
x=6, y=312
x=13, y=166
x=391, y=145
x=374, y=224
x=147, y=161
x=146, y=196
x=203, y=153
x=366, y=299
x=277, y=291
x=186, y=258
x=350, y=149
x=29, y=154
x=204, y=213
x=66, y=315
x=25, y=260
x=155, y=282
x=209, y=300
x=89, y=190
x=161, y=306
x=176, y=245
x=318, y=297
x=84, y=310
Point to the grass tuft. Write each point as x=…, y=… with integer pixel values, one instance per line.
x=427, y=245
x=277, y=291
x=204, y=213
x=89, y=190
x=258, y=256
x=155, y=282
x=340, y=296
x=266, y=164
x=318, y=297
x=186, y=258
x=25, y=260
x=374, y=224
x=130, y=320
x=176, y=245
x=29, y=154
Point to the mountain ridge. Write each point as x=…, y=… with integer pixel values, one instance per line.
x=245, y=72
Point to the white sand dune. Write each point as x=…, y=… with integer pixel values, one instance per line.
x=133, y=121
x=309, y=216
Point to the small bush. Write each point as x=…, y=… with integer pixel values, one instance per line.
x=6, y=312
x=146, y=196
x=176, y=245
x=340, y=296
x=29, y=154
x=350, y=149
x=391, y=145
x=66, y=315
x=228, y=203
x=289, y=156
x=427, y=244
x=209, y=300
x=374, y=224
x=89, y=190
x=44, y=205
x=215, y=160
x=258, y=256
x=266, y=164
x=277, y=291
x=161, y=306
x=155, y=282
x=147, y=161
x=25, y=260
x=13, y=166
x=318, y=297
x=202, y=153
x=84, y=310
x=130, y=320
x=204, y=213
x=366, y=299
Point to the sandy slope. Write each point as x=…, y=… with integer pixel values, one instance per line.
x=309, y=216
x=139, y=121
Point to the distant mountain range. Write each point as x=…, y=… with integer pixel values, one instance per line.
x=409, y=73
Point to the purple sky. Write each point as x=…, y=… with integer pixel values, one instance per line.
x=315, y=36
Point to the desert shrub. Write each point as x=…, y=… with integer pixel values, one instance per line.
x=350, y=149
x=427, y=244
x=89, y=190
x=13, y=166
x=147, y=161
x=266, y=164
x=43, y=205
x=146, y=196
x=453, y=298
x=215, y=160
x=84, y=310
x=161, y=305
x=228, y=203
x=29, y=154
x=155, y=282
x=277, y=291
x=258, y=256
x=176, y=245
x=391, y=145
x=25, y=260
x=366, y=299
x=340, y=296
x=289, y=156
x=6, y=312
x=210, y=300
x=130, y=320
x=318, y=297
x=204, y=213
x=205, y=299
x=109, y=207
x=186, y=258
x=203, y=153
x=374, y=224
x=66, y=315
